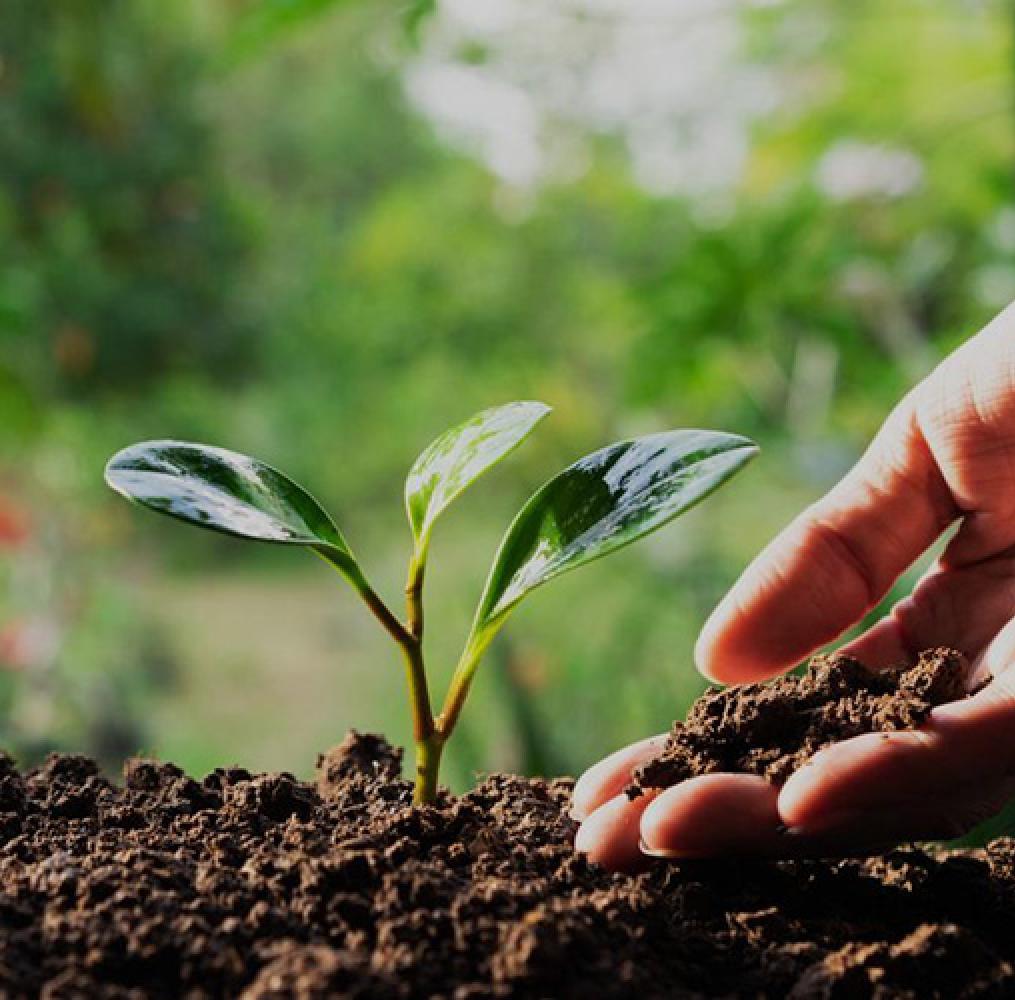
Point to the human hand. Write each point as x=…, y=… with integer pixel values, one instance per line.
x=946, y=454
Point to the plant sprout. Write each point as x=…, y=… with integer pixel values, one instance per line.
x=601, y=503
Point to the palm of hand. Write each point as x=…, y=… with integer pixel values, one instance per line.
x=945, y=455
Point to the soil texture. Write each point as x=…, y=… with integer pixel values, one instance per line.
x=262, y=886
x=771, y=729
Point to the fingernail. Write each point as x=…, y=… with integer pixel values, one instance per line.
x=658, y=852
x=686, y=854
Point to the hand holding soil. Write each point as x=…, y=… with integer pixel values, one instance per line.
x=946, y=454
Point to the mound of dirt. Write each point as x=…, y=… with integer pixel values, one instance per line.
x=258, y=886
x=771, y=729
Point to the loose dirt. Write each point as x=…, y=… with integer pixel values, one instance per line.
x=263, y=886
x=771, y=729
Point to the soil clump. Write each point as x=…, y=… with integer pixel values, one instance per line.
x=771, y=729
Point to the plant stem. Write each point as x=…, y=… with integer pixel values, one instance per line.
x=414, y=594
x=428, y=741
x=428, y=761
x=429, y=744
x=423, y=728
x=371, y=598
x=461, y=681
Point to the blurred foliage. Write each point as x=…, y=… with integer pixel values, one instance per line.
x=79, y=665
x=281, y=255
x=119, y=242
x=262, y=22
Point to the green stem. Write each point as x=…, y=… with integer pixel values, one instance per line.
x=414, y=593
x=461, y=680
x=423, y=728
x=428, y=741
x=428, y=762
x=351, y=571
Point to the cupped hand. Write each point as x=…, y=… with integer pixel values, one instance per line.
x=945, y=455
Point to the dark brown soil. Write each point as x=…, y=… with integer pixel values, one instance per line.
x=263, y=886
x=771, y=729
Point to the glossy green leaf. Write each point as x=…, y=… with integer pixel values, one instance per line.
x=460, y=456
x=228, y=492
x=603, y=502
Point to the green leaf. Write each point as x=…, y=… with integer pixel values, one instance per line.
x=227, y=492
x=459, y=457
x=603, y=502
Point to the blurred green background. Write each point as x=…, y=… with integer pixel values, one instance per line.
x=321, y=232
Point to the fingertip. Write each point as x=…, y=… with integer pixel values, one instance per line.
x=718, y=663
x=584, y=797
x=812, y=793
x=715, y=656
x=728, y=650
x=857, y=775
x=726, y=665
x=711, y=815
x=610, y=835
x=611, y=775
x=703, y=659
x=667, y=825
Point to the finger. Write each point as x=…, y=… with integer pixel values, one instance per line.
x=998, y=657
x=610, y=836
x=979, y=732
x=712, y=815
x=964, y=608
x=835, y=562
x=878, y=826
x=737, y=815
x=611, y=776
x=882, y=645
x=876, y=830
x=965, y=744
x=862, y=775
x=967, y=415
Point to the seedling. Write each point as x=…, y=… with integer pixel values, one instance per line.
x=603, y=502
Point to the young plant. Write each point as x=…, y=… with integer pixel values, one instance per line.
x=601, y=503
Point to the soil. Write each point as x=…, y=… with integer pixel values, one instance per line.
x=771, y=729
x=259, y=886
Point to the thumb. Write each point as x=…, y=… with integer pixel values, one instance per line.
x=834, y=562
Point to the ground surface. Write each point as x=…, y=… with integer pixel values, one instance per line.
x=263, y=886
